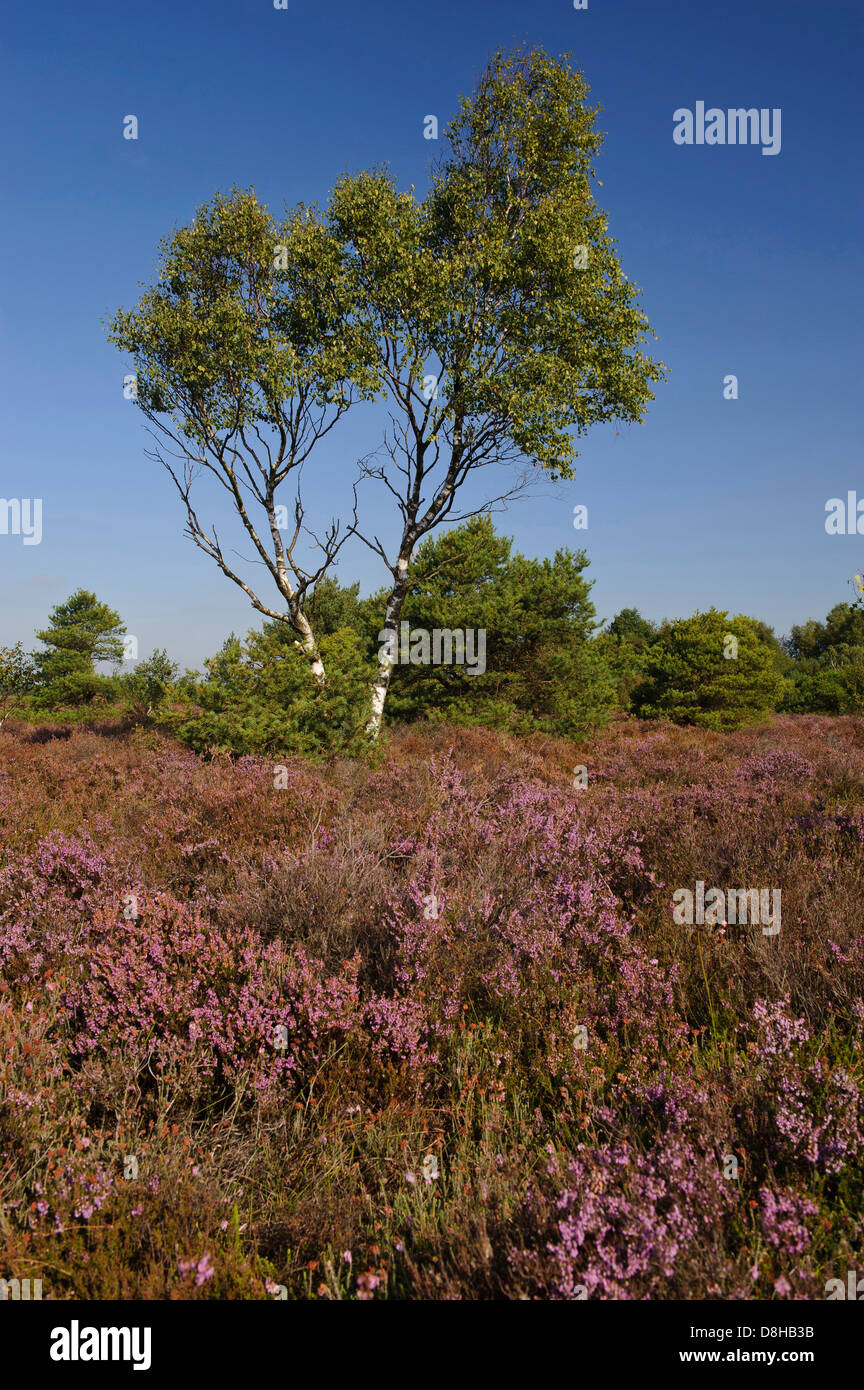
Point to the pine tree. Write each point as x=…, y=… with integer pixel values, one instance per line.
x=80, y=632
x=711, y=670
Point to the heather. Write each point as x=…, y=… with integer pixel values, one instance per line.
x=422, y=1025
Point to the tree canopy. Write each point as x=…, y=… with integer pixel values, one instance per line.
x=493, y=314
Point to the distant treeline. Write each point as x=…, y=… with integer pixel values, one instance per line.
x=547, y=666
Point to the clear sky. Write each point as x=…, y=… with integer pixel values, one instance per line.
x=749, y=264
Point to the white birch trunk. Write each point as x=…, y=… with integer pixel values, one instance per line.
x=381, y=683
x=308, y=645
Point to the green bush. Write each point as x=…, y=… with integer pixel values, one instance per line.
x=692, y=677
x=544, y=672
x=828, y=675
x=17, y=678
x=150, y=684
x=833, y=684
x=259, y=696
x=624, y=647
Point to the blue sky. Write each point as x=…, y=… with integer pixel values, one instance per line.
x=749, y=264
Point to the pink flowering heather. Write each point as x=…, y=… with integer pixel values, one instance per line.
x=244, y=1020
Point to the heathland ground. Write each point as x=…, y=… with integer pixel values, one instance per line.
x=424, y=1025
